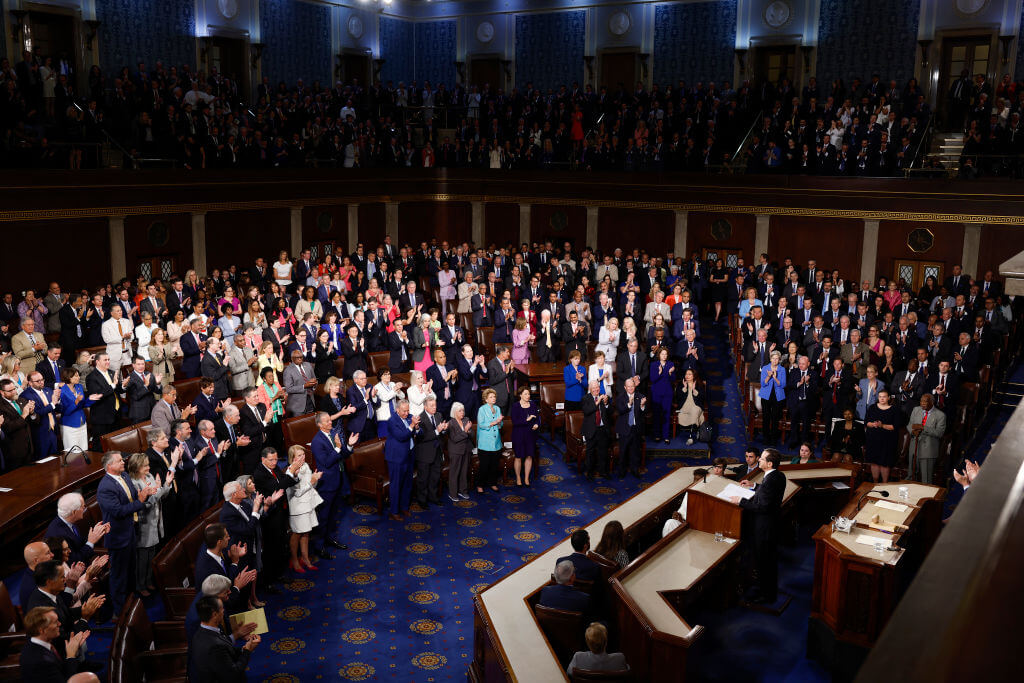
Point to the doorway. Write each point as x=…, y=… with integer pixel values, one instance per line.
x=486, y=71
x=157, y=267
x=729, y=255
x=53, y=35
x=773, y=63
x=972, y=53
x=914, y=273
x=616, y=68
x=355, y=66
x=227, y=55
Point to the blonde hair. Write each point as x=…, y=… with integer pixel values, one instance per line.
x=597, y=637
x=294, y=451
x=330, y=384
x=264, y=345
x=8, y=364
x=416, y=376
x=521, y=323
x=487, y=393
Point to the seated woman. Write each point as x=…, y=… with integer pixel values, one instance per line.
x=597, y=659
x=693, y=400
x=847, y=440
x=612, y=545
x=805, y=455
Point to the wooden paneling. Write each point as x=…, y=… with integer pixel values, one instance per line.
x=144, y=237
x=998, y=243
x=323, y=223
x=558, y=223
x=79, y=256
x=832, y=242
x=372, y=224
x=421, y=221
x=501, y=223
x=742, y=225
x=240, y=237
x=646, y=229
x=948, y=246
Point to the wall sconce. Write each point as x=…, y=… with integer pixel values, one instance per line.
x=378, y=66
x=806, y=51
x=1006, y=41
x=588, y=60
x=925, y=44
x=204, y=47
x=256, y=53
x=644, y=56
x=460, y=70
x=741, y=57
x=93, y=26
x=19, y=20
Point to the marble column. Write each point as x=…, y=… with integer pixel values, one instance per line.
x=391, y=221
x=296, y=225
x=118, y=262
x=972, y=244
x=199, y=243
x=761, y=237
x=869, y=251
x=592, y=215
x=524, y=223
x=679, y=243
x=353, y=227
x=479, y=223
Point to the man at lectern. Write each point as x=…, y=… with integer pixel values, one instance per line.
x=766, y=506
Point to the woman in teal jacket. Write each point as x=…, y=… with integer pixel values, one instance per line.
x=488, y=441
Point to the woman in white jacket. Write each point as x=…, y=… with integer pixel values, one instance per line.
x=302, y=501
x=389, y=393
x=608, y=339
x=419, y=392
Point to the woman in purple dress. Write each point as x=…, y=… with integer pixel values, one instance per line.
x=662, y=379
x=525, y=423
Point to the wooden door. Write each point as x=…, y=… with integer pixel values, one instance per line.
x=486, y=70
x=775, y=63
x=355, y=66
x=972, y=53
x=228, y=56
x=914, y=273
x=159, y=267
x=618, y=68
x=730, y=255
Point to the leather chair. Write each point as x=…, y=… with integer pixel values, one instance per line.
x=367, y=472
x=485, y=341
x=378, y=361
x=188, y=389
x=146, y=650
x=299, y=430
x=339, y=366
x=563, y=630
x=125, y=440
x=466, y=323
x=12, y=630
x=551, y=394
x=575, y=451
x=174, y=565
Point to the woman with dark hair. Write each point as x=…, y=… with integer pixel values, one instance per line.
x=693, y=402
x=324, y=353
x=525, y=425
x=930, y=290
x=613, y=544
x=309, y=304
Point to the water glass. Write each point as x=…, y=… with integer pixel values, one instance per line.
x=719, y=537
x=903, y=492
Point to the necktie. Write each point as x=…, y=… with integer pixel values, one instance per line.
x=924, y=419
x=17, y=406
x=632, y=360
x=597, y=415
x=128, y=492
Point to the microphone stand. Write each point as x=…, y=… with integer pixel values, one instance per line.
x=860, y=501
x=71, y=451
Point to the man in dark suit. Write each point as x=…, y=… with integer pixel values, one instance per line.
x=958, y=283
x=120, y=504
x=836, y=391
x=499, y=376
x=70, y=510
x=259, y=275
x=632, y=365
x=586, y=568
x=443, y=375
x=472, y=376
x=153, y=305
x=428, y=453
x=218, y=556
x=965, y=358
x=548, y=338
x=104, y=411
x=562, y=595
x=269, y=480
x=211, y=654
x=363, y=420
x=252, y=423
x=17, y=442
x=329, y=453
x=632, y=411
x=72, y=332
x=40, y=660
x=42, y=420
x=398, y=453
x=596, y=429
x=215, y=367
x=207, y=406
x=944, y=385
x=801, y=394
x=482, y=305
x=748, y=467
x=240, y=515
x=207, y=452
x=398, y=345
x=410, y=299
x=766, y=507
x=691, y=352
x=51, y=366
x=186, y=471
x=575, y=334
x=193, y=343
x=50, y=579
x=141, y=391
x=177, y=299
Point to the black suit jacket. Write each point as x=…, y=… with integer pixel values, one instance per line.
x=40, y=665
x=586, y=568
x=141, y=396
x=590, y=409
x=212, y=658
x=253, y=428
x=206, y=565
x=80, y=551
x=428, y=441
x=46, y=370
x=104, y=410
x=766, y=505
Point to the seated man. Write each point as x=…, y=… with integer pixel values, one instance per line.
x=597, y=659
x=749, y=467
x=562, y=595
x=586, y=568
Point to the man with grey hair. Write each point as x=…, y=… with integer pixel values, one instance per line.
x=226, y=429
x=208, y=452
x=219, y=586
x=240, y=515
x=299, y=382
x=563, y=595
x=241, y=361
x=71, y=510
x=363, y=420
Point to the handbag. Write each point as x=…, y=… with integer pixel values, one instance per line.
x=705, y=432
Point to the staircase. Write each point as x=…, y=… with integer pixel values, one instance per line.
x=948, y=147
x=1008, y=394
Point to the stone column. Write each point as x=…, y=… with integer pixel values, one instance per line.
x=524, y=223
x=869, y=251
x=391, y=221
x=118, y=263
x=353, y=227
x=592, y=215
x=761, y=237
x=479, y=221
x=679, y=243
x=296, y=242
x=972, y=244
x=199, y=244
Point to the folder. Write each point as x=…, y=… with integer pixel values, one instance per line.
x=257, y=615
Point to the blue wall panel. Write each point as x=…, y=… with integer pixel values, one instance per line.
x=861, y=37
x=435, y=52
x=397, y=49
x=150, y=31
x=549, y=49
x=694, y=41
x=297, y=40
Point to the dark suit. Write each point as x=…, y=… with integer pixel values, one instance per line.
x=243, y=527
x=190, y=364
x=209, y=471
x=564, y=598
x=355, y=358
x=464, y=392
x=119, y=510
x=765, y=507
x=451, y=344
x=596, y=436
x=207, y=566
x=330, y=462
x=631, y=437
x=444, y=390
x=274, y=521
x=251, y=426
x=45, y=368
x=213, y=659
x=216, y=369
x=586, y=568
x=103, y=412
x=43, y=437
x=396, y=346
x=483, y=314
x=364, y=420
x=40, y=665
x=141, y=397
x=77, y=542
x=947, y=402
x=624, y=369
x=501, y=382
x=429, y=457
x=575, y=342
x=206, y=407
x=546, y=353
x=802, y=404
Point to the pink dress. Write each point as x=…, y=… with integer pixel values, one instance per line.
x=893, y=298
x=520, y=346
x=428, y=353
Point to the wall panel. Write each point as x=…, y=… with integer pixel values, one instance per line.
x=558, y=223
x=998, y=243
x=297, y=42
x=82, y=252
x=372, y=224
x=323, y=223
x=501, y=224
x=167, y=235
x=653, y=231
x=240, y=237
x=742, y=226
x=134, y=31
x=419, y=221
x=832, y=242
x=948, y=246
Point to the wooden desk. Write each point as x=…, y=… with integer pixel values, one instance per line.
x=542, y=372
x=856, y=587
x=508, y=644
x=29, y=508
x=650, y=594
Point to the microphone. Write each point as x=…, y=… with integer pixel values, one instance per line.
x=884, y=494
